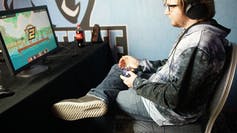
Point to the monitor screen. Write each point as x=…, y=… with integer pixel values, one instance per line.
x=26, y=36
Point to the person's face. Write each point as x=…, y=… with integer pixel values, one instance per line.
x=175, y=13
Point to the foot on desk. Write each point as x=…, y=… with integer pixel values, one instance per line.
x=75, y=109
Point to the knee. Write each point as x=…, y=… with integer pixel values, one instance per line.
x=115, y=67
x=121, y=99
x=125, y=98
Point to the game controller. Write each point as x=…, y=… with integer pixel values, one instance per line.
x=125, y=73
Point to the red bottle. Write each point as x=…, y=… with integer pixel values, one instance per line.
x=79, y=36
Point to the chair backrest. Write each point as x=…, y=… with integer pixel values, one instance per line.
x=222, y=91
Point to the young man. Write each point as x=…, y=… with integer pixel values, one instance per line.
x=172, y=91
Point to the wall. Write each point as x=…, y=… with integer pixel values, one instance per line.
x=225, y=14
x=148, y=31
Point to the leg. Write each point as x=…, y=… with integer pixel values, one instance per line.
x=109, y=88
x=143, y=113
x=132, y=104
x=96, y=102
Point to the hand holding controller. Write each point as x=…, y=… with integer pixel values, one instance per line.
x=126, y=70
x=128, y=76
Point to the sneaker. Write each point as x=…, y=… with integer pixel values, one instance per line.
x=84, y=107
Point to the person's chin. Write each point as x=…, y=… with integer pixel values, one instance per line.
x=174, y=24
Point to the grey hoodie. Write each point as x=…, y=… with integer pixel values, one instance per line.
x=181, y=86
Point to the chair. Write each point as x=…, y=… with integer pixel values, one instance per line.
x=223, y=90
x=216, y=106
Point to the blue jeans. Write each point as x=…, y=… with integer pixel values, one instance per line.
x=112, y=89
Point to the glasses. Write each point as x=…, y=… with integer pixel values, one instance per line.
x=170, y=6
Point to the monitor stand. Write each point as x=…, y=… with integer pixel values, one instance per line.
x=32, y=70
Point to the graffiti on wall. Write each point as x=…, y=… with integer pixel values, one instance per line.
x=70, y=10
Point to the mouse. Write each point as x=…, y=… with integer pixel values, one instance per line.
x=5, y=92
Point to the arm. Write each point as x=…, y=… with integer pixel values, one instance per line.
x=179, y=86
x=150, y=66
x=142, y=65
x=164, y=94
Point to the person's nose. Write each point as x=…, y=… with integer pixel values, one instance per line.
x=166, y=12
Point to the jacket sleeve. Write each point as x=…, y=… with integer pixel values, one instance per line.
x=164, y=94
x=150, y=66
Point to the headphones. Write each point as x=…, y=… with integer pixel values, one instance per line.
x=195, y=9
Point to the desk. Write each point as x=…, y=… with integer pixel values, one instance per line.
x=68, y=76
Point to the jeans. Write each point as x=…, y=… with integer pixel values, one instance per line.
x=112, y=89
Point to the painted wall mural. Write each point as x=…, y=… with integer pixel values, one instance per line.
x=66, y=14
x=70, y=10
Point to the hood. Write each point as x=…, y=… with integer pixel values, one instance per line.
x=212, y=26
x=213, y=22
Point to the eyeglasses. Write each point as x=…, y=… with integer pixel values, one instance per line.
x=170, y=6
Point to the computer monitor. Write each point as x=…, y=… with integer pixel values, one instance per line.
x=26, y=38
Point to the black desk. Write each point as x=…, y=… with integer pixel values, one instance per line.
x=68, y=76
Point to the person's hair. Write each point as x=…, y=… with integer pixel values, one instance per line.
x=210, y=4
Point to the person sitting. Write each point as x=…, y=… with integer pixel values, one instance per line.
x=172, y=91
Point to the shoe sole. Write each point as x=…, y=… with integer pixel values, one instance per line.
x=74, y=111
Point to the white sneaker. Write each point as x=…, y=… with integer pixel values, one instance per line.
x=84, y=107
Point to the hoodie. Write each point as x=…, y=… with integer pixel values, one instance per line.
x=181, y=86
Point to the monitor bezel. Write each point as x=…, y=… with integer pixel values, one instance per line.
x=6, y=55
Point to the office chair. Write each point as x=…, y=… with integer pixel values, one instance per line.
x=216, y=106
